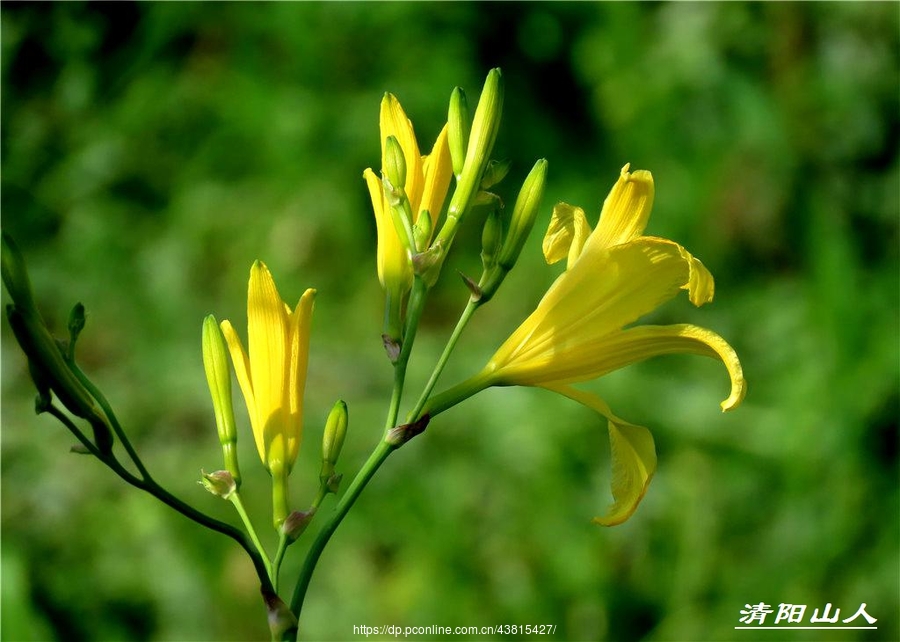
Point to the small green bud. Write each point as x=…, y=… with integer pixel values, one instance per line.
x=79, y=449
x=295, y=523
x=333, y=438
x=495, y=172
x=422, y=231
x=458, y=130
x=218, y=376
x=491, y=239
x=220, y=483
x=524, y=214
x=394, y=163
x=76, y=325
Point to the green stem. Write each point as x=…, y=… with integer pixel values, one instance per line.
x=464, y=319
x=413, y=315
x=458, y=393
x=148, y=485
x=320, y=496
x=114, y=422
x=279, y=556
x=378, y=456
x=238, y=503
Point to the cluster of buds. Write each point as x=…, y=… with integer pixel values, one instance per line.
x=51, y=363
x=413, y=240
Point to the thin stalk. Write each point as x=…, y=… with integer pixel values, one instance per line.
x=417, y=300
x=238, y=503
x=111, y=416
x=283, y=543
x=150, y=486
x=378, y=456
x=382, y=451
x=464, y=319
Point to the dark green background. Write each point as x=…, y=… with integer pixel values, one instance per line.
x=151, y=152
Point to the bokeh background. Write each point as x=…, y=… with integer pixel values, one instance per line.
x=151, y=151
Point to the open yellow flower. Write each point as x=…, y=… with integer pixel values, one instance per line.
x=427, y=181
x=272, y=374
x=577, y=333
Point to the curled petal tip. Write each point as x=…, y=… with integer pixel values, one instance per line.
x=738, y=392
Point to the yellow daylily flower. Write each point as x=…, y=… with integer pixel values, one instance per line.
x=577, y=332
x=272, y=375
x=427, y=182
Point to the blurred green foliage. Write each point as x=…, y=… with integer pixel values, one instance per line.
x=151, y=151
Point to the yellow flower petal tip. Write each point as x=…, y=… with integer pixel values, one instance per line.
x=633, y=456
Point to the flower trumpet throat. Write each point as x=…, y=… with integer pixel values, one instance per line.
x=579, y=330
x=272, y=375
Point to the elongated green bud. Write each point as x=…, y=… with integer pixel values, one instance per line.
x=458, y=130
x=394, y=163
x=422, y=230
x=393, y=180
x=76, y=325
x=481, y=142
x=333, y=438
x=218, y=376
x=491, y=238
x=485, y=126
x=524, y=214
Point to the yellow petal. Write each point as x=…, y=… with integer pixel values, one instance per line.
x=394, y=122
x=299, y=324
x=626, y=210
x=700, y=285
x=242, y=371
x=604, y=290
x=438, y=170
x=632, y=458
x=566, y=234
x=267, y=348
x=394, y=268
x=593, y=359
